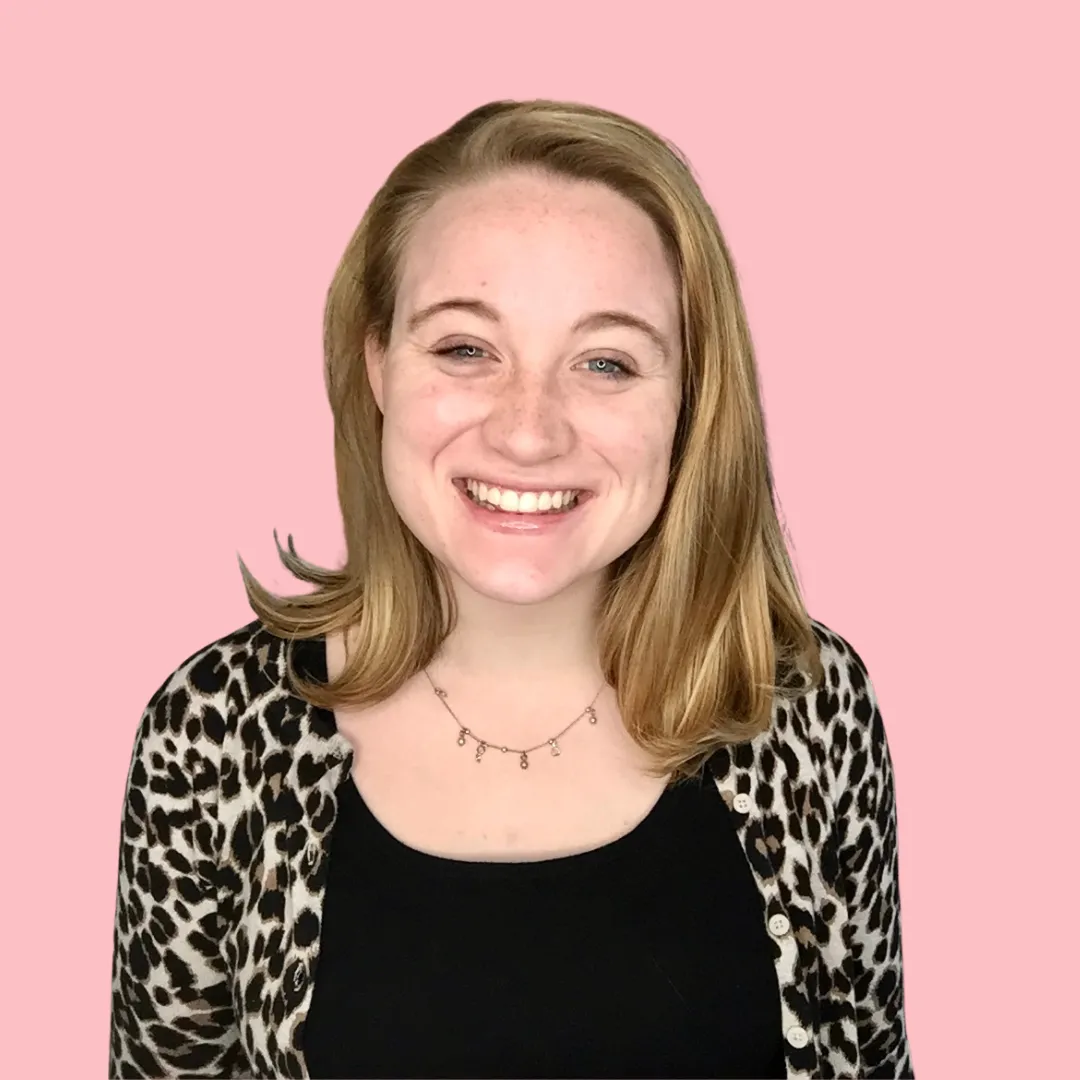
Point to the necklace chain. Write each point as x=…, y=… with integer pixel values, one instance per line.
x=482, y=745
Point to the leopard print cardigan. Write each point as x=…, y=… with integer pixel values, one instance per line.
x=229, y=807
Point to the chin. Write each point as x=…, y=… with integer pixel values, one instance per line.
x=511, y=582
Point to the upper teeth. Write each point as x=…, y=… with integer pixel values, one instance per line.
x=520, y=502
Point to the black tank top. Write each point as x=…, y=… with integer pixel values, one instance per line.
x=647, y=957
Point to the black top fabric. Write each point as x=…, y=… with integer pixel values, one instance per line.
x=647, y=957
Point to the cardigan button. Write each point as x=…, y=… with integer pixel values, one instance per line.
x=742, y=803
x=779, y=925
x=310, y=856
x=797, y=1037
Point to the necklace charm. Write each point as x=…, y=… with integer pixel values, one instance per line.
x=464, y=733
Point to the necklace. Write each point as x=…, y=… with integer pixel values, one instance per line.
x=523, y=755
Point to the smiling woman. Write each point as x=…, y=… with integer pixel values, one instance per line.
x=678, y=855
x=549, y=277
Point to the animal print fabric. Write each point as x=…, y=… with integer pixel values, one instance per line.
x=229, y=807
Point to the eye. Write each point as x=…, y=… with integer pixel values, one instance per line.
x=460, y=352
x=610, y=368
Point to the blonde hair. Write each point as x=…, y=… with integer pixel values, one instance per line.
x=701, y=623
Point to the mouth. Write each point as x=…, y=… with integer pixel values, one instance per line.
x=535, y=502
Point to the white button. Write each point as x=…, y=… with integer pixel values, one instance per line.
x=310, y=855
x=742, y=803
x=298, y=976
x=779, y=925
x=797, y=1037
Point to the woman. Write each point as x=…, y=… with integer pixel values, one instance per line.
x=556, y=777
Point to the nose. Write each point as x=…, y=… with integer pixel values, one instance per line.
x=528, y=420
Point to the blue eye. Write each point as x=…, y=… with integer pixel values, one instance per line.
x=611, y=369
x=454, y=351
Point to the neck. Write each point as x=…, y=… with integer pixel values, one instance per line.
x=524, y=645
x=518, y=673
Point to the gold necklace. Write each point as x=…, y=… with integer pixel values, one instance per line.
x=523, y=755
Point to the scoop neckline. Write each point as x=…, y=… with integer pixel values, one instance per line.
x=415, y=859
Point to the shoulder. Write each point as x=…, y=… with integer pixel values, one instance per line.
x=844, y=707
x=200, y=698
x=834, y=727
x=250, y=658
x=844, y=699
x=842, y=664
x=201, y=730
x=844, y=714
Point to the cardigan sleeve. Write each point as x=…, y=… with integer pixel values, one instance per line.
x=867, y=835
x=172, y=1012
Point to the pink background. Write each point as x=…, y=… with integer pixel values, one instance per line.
x=899, y=190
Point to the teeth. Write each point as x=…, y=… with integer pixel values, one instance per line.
x=520, y=502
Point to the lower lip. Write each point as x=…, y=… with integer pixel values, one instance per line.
x=503, y=521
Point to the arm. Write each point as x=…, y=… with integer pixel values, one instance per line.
x=172, y=1009
x=867, y=843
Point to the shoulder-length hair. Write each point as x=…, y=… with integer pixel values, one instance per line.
x=701, y=623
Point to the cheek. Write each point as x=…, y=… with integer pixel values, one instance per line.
x=640, y=440
x=665, y=422
x=419, y=415
x=420, y=421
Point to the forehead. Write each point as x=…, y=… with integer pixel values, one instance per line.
x=523, y=239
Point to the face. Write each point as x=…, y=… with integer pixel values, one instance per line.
x=533, y=364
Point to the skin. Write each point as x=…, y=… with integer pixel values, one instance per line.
x=525, y=398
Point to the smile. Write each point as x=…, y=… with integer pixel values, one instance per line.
x=511, y=501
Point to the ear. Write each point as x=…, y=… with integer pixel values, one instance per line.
x=374, y=360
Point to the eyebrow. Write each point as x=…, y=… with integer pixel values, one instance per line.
x=594, y=320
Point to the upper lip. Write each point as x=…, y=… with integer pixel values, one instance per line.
x=513, y=485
